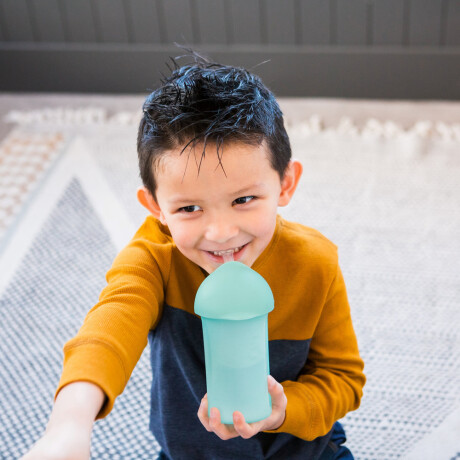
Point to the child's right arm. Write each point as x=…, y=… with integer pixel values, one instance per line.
x=106, y=348
x=68, y=433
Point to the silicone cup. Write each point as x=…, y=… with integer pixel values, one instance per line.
x=233, y=303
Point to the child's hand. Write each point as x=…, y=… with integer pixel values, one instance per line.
x=240, y=427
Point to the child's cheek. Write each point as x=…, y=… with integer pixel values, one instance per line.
x=264, y=224
x=184, y=235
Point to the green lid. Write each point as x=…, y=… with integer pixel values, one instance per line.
x=234, y=292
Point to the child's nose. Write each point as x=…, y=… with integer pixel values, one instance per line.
x=221, y=231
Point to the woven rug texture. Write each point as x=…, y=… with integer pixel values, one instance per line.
x=388, y=195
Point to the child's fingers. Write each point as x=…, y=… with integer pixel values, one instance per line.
x=245, y=430
x=203, y=413
x=279, y=403
x=240, y=427
x=213, y=424
x=224, y=432
x=276, y=390
x=273, y=421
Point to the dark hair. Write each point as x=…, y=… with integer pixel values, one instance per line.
x=209, y=102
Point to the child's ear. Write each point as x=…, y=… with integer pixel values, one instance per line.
x=289, y=182
x=146, y=199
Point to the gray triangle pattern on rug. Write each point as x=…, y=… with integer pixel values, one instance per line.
x=392, y=206
x=57, y=282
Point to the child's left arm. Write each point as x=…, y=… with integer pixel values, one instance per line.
x=240, y=427
x=332, y=380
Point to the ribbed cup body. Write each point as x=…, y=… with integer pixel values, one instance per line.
x=237, y=366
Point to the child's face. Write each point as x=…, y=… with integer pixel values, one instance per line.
x=210, y=211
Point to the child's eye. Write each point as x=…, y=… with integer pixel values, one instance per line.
x=189, y=209
x=244, y=199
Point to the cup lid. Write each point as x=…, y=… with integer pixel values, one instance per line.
x=234, y=291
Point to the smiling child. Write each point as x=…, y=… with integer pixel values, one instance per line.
x=215, y=162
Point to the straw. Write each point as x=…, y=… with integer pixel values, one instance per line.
x=228, y=257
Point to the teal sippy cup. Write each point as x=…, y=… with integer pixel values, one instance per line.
x=234, y=302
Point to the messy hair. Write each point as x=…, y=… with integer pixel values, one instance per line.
x=206, y=102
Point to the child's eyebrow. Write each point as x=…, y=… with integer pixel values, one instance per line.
x=183, y=199
x=250, y=188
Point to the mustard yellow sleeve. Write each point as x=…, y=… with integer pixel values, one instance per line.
x=332, y=380
x=115, y=331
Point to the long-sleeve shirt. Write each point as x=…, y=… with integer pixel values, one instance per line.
x=150, y=295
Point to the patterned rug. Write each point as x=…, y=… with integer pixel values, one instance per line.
x=388, y=196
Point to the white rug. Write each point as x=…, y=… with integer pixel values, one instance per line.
x=387, y=195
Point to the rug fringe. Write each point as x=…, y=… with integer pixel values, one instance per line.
x=314, y=125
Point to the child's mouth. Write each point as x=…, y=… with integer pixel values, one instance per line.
x=219, y=256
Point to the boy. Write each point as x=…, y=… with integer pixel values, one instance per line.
x=215, y=161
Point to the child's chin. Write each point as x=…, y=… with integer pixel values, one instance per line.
x=209, y=268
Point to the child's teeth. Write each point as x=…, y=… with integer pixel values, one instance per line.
x=229, y=251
